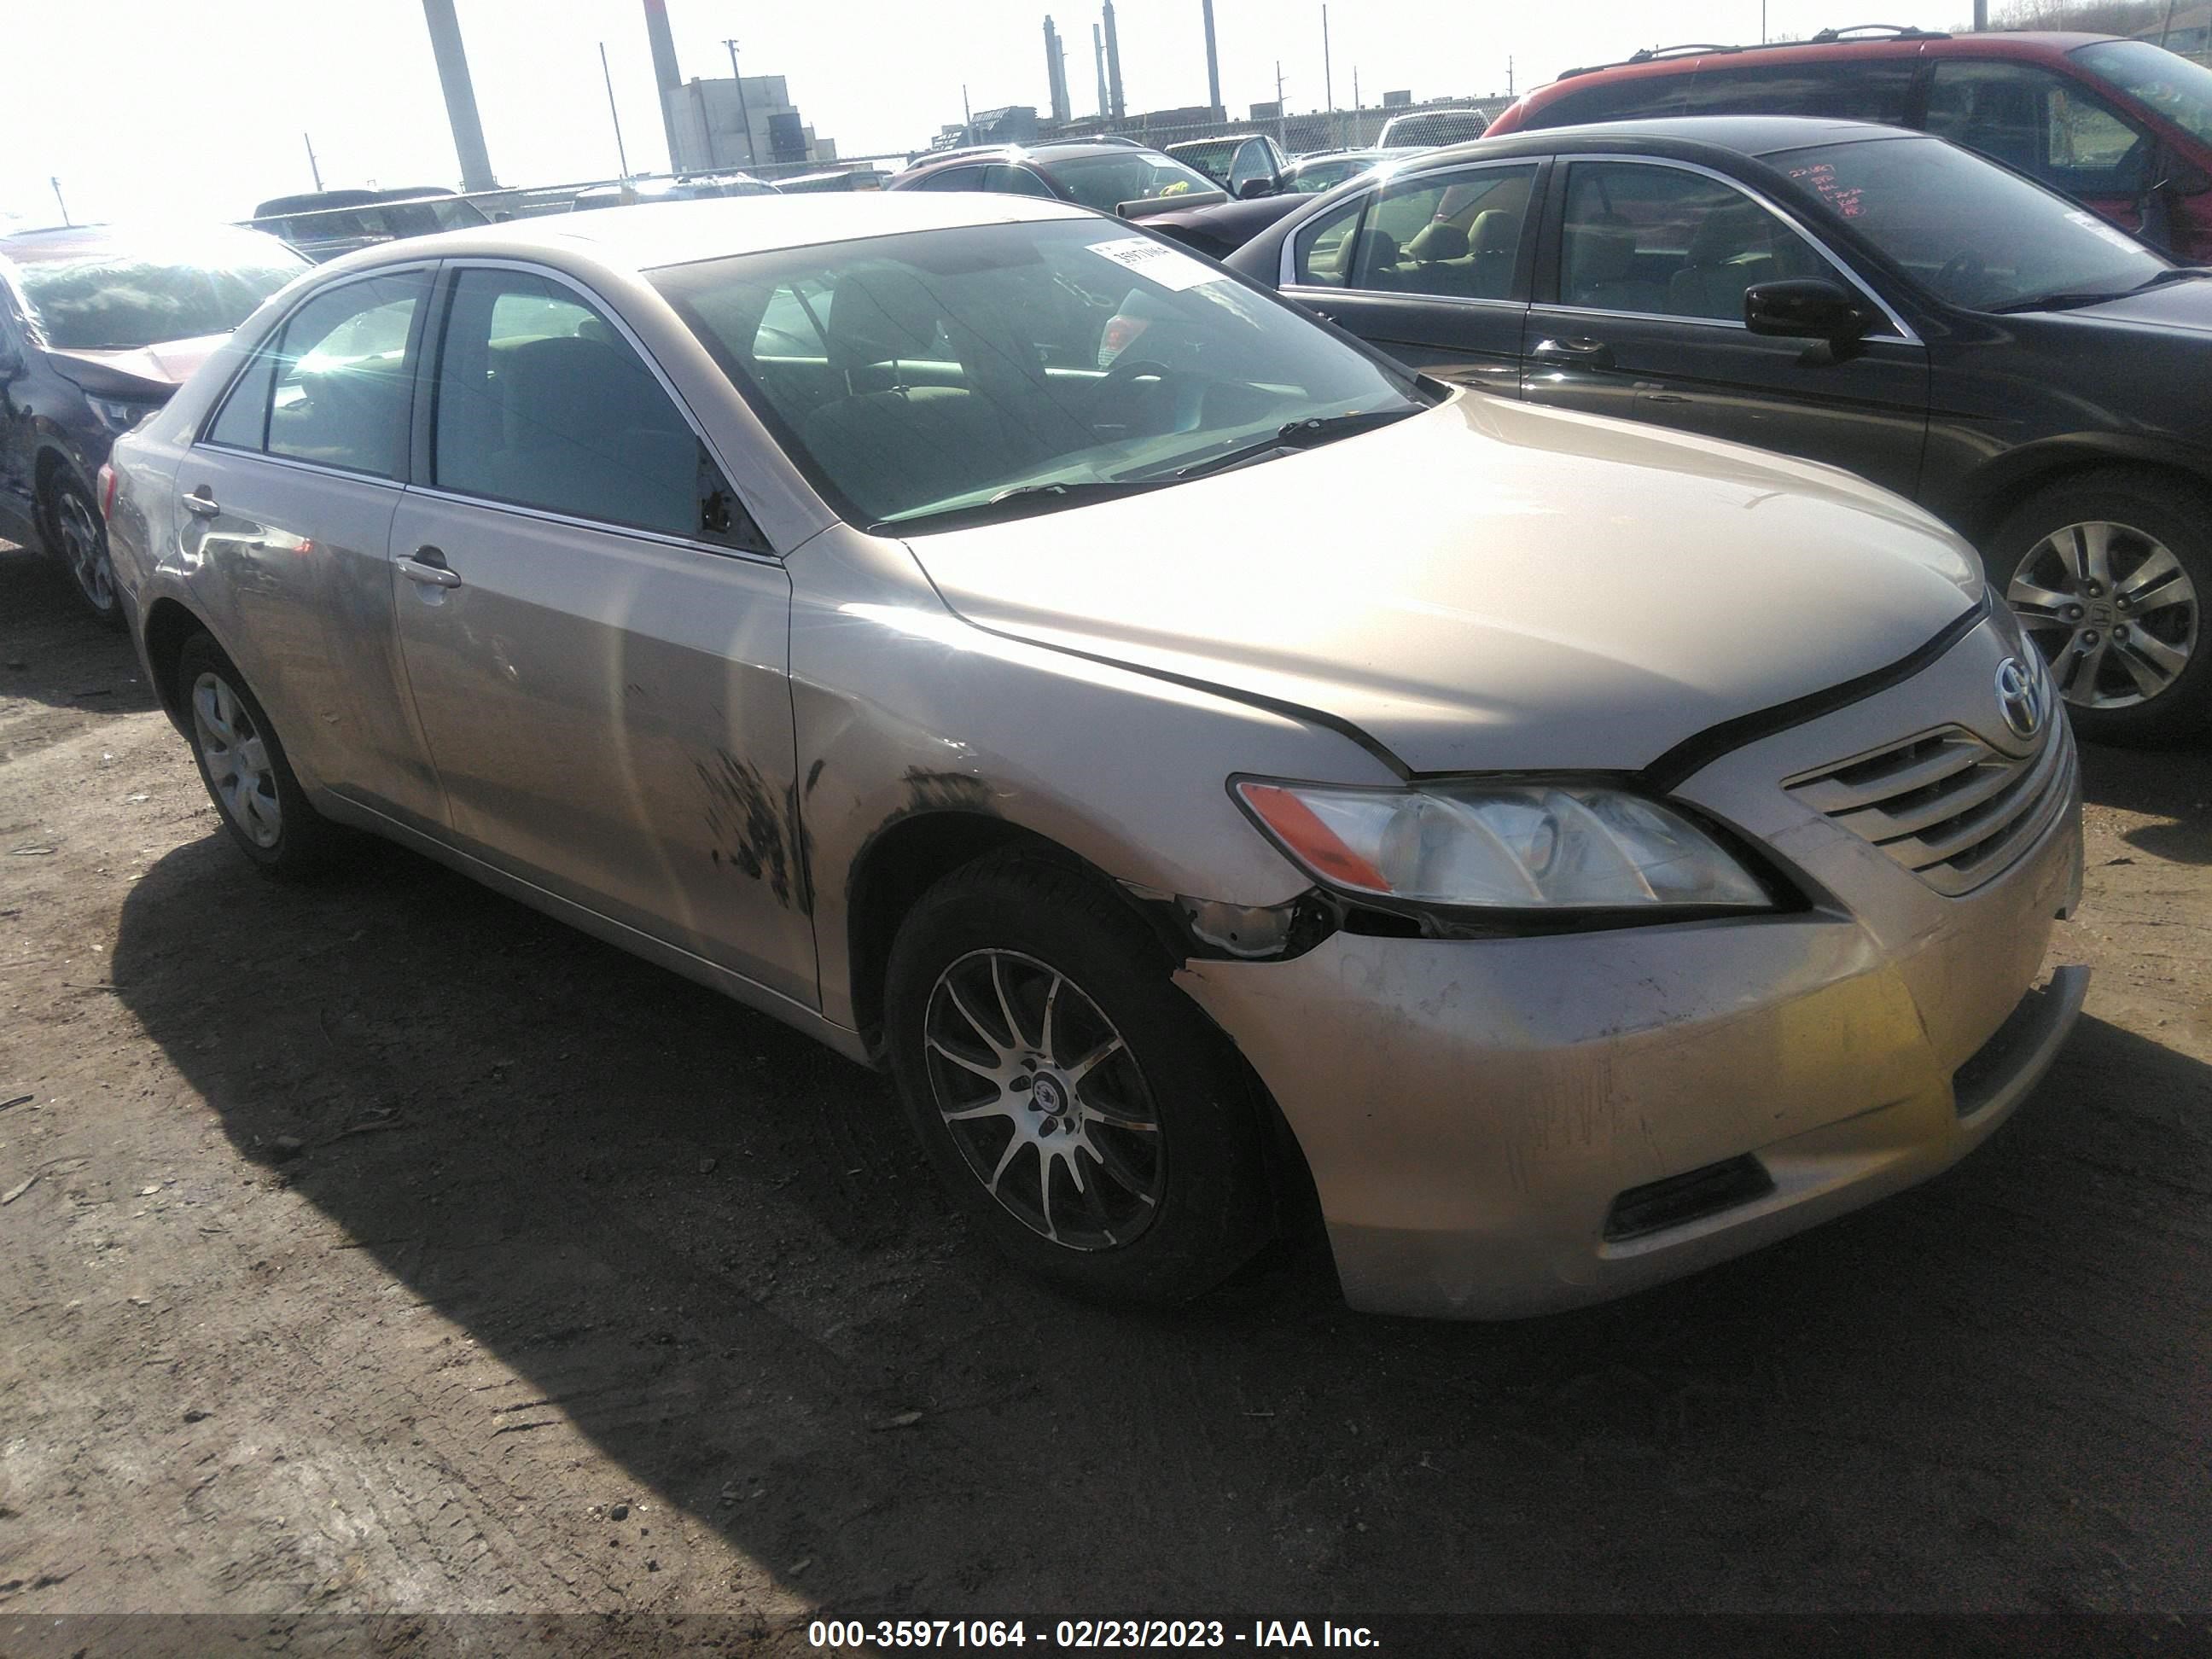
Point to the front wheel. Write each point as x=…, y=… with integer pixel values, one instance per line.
x=2107, y=572
x=1079, y=1111
x=76, y=536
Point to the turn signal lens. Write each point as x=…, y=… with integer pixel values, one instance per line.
x=1509, y=846
x=107, y=479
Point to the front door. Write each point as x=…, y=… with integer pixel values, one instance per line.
x=596, y=638
x=1429, y=268
x=1640, y=315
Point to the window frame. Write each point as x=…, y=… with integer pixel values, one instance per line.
x=747, y=540
x=1523, y=255
x=2074, y=84
x=1545, y=289
x=266, y=348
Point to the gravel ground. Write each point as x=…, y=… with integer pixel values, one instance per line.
x=389, y=1248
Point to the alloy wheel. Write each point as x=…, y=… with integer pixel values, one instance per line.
x=2112, y=609
x=237, y=758
x=1044, y=1100
x=85, y=550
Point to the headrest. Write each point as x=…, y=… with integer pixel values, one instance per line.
x=881, y=313
x=1495, y=230
x=569, y=385
x=1375, y=250
x=1438, y=240
x=1726, y=232
x=1601, y=254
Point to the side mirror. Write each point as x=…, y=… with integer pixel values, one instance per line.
x=1256, y=187
x=1810, y=308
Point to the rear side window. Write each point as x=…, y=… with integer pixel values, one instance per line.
x=2048, y=126
x=954, y=178
x=1014, y=181
x=541, y=403
x=1857, y=89
x=336, y=385
x=1454, y=234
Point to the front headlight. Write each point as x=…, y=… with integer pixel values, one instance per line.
x=119, y=414
x=1507, y=846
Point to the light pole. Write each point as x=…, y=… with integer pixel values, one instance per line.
x=621, y=155
x=752, y=159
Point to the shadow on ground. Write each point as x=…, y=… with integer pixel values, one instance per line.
x=1985, y=1393
x=2173, y=782
x=52, y=652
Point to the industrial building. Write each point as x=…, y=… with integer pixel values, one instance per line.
x=736, y=121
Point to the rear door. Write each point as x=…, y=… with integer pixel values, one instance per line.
x=1432, y=268
x=596, y=635
x=1640, y=315
x=288, y=496
x=16, y=423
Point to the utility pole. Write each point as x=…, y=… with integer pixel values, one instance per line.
x=312, y=167
x=1328, y=85
x=460, y=95
x=752, y=159
x=1282, y=115
x=57, y=183
x=2166, y=27
x=621, y=156
x=1981, y=16
x=1508, y=74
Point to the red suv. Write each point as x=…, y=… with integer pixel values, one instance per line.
x=2122, y=126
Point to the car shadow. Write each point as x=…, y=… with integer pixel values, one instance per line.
x=712, y=1244
x=2172, y=783
x=52, y=650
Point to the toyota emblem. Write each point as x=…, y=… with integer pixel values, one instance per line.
x=2021, y=698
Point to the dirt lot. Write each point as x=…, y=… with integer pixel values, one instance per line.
x=578, y=1289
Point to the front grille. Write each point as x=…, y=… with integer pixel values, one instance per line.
x=1946, y=806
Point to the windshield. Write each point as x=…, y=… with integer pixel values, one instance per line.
x=925, y=373
x=1444, y=126
x=1969, y=231
x=117, y=300
x=1105, y=182
x=2178, y=89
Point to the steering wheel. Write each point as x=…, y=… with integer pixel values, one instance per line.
x=1127, y=371
x=1961, y=272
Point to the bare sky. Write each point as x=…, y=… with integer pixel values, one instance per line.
x=195, y=108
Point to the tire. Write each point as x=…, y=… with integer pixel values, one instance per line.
x=243, y=764
x=1163, y=1214
x=2109, y=572
x=69, y=521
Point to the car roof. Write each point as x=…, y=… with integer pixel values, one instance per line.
x=1661, y=62
x=87, y=241
x=1743, y=135
x=652, y=234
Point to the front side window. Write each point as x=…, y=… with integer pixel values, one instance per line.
x=1970, y=233
x=2046, y=125
x=336, y=384
x=1661, y=241
x=541, y=403
x=959, y=371
x=1253, y=161
x=119, y=299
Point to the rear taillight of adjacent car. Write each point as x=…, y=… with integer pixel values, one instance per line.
x=109, y=479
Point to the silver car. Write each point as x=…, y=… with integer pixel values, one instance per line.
x=1575, y=853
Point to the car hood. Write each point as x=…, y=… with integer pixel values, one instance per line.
x=2186, y=305
x=1486, y=585
x=163, y=366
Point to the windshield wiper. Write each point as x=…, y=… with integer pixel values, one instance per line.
x=2064, y=301
x=1019, y=501
x=1308, y=433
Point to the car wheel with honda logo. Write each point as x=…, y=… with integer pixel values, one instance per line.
x=2107, y=572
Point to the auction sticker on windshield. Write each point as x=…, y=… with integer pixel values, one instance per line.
x=1156, y=262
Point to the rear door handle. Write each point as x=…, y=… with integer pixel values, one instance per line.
x=428, y=564
x=1575, y=348
x=199, y=503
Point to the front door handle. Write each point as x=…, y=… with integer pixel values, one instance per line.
x=200, y=503
x=1574, y=349
x=428, y=564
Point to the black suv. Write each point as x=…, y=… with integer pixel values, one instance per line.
x=1870, y=297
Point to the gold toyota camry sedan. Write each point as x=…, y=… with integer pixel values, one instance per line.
x=1575, y=853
